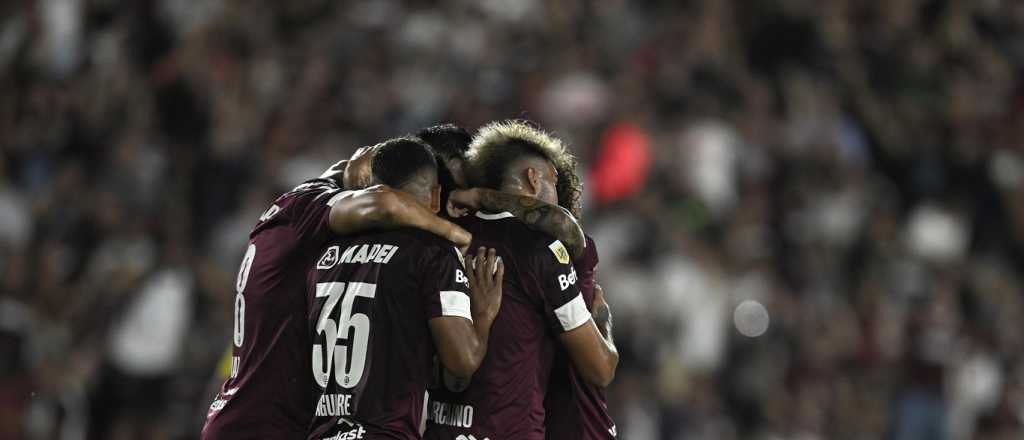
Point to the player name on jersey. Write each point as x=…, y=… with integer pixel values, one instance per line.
x=357, y=254
x=459, y=416
x=334, y=405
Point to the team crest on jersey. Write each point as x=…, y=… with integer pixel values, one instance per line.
x=330, y=258
x=561, y=253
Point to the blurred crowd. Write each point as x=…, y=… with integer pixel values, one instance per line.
x=857, y=167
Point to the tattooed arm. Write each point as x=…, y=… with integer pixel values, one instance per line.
x=552, y=219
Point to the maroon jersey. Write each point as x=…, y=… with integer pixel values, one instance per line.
x=371, y=298
x=577, y=409
x=540, y=300
x=267, y=394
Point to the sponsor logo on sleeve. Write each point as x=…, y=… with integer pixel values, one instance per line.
x=561, y=253
x=329, y=259
x=566, y=280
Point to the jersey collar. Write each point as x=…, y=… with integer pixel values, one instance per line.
x=498, y=216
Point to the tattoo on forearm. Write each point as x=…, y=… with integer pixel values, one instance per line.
x=499, y=201
x=538, y=215
x=533, y=216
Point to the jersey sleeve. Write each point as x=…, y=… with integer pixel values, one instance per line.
x=307, y=210
x=586, y=267
x=445, y=284
x=565, y=308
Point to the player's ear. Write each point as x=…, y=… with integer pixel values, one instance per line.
x=533, y=181
x=435, y=198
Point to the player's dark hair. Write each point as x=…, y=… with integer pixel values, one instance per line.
x=397, y=160
x=498, y=144
x=448, y=140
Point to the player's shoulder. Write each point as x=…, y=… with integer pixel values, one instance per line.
x=519, y=239
x=297, y=201
x=536, y=245
x=309, y=190
x=590, y=258
x=552, y=251
x=316, y=188
x=317, y=184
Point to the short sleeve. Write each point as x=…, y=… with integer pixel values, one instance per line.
x=565, y=306
x=307, y=210
x=446, y=287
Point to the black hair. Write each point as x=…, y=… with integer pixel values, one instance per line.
x=397, y=160
x=448, y=140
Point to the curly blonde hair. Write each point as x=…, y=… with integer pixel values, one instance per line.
x=498, y=143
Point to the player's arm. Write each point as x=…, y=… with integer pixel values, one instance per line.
x=602, y=316
x=462, y=343
x=551, y=219
x=592, y=353
x=380, y=207
x=586, y=266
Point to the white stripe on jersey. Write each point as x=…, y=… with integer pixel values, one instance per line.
x=573, y=313
x=455, y=303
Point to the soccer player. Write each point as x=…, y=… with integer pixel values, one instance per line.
x=267, y=393
x=380, y=304
x=541, y=307
x=574, y=408
x=450, y=143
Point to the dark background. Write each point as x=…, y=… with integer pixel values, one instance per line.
x=854, y=166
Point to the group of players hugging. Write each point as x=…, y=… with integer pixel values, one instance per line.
x=433, y=286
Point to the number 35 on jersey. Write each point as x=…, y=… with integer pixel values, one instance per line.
x=345, y=360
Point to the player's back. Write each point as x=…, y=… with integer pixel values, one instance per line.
x=371, y=297
x=266, y=395
x=505, y=398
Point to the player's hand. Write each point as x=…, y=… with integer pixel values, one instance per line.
x=600, y=311
x=486, y=273
x=461, y=201
x=358, y=173
x=338, y=169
